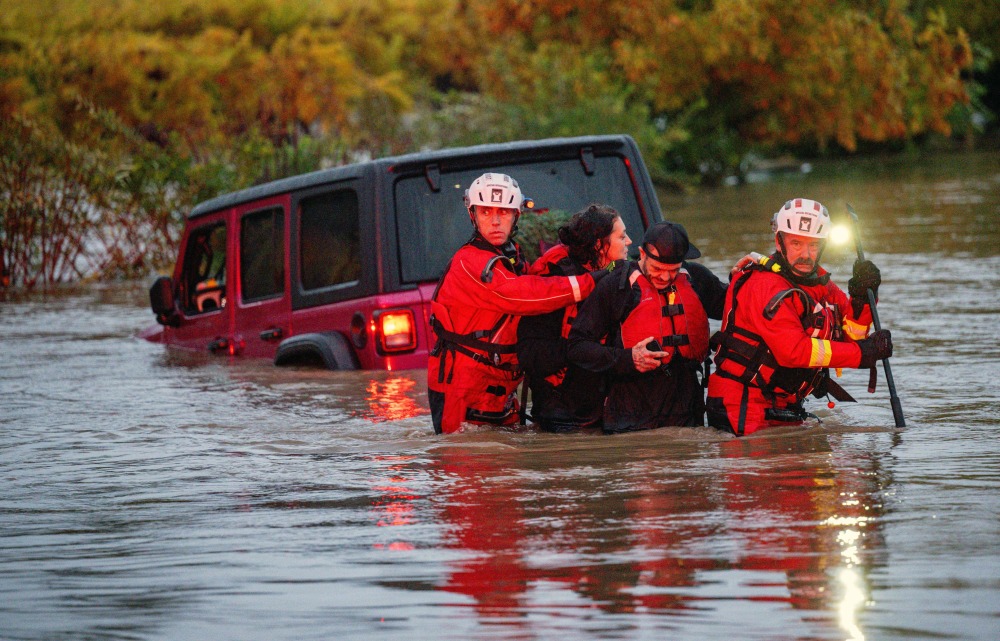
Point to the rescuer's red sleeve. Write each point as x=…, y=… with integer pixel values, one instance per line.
x=509, y=293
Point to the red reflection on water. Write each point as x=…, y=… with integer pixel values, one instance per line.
x=486, y=520
x=638, y=538
x=392, y=400
x=664, y=520
x=801, y=515
x=394, y=505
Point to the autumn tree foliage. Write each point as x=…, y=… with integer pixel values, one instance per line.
x=183, y=99
x=771, y=72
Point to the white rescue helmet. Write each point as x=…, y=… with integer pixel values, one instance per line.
x=802, y=217
x=493, y=190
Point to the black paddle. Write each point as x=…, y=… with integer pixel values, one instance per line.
x=897, y=407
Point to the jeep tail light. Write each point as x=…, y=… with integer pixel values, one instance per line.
x=395, y=330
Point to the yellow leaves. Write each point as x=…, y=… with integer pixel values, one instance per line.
x=767, y=70
x=207, y=72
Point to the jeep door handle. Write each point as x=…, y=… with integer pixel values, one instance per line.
x=219, y=345
x=272, y=334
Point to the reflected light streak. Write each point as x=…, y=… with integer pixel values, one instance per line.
x=848, y=521
x=853, y=599
x=849, y=539
x=852, y=590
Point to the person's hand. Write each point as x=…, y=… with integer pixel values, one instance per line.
x=645, y=360
x=875, y=348
x=866, y=276
x=744, y=262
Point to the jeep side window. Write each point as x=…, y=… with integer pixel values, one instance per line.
x=262, y=254
x=330, y=248
x=204, y=275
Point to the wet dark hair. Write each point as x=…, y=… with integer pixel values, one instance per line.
x=587, y=231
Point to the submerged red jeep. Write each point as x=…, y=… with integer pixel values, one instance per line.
x=336, y=268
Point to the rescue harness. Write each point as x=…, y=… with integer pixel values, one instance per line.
x=754, y=361
x=478, y=344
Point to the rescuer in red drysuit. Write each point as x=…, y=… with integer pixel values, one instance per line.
x=472, y=371
x=565, y=397
x=660, y=298
x=785, y=323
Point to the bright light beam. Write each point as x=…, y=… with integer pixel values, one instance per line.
x=840, y=235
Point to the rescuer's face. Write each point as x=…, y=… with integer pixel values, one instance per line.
x=801, y=252
x=495, y=223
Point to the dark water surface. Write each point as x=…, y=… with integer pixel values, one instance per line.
x=148, y=494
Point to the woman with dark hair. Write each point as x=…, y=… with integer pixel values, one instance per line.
x=565, y=397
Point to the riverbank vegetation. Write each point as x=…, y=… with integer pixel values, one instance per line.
x=118, y=116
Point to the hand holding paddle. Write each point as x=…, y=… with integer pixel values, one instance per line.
x=897, y=407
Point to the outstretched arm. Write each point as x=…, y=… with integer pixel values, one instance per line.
x=508, y=293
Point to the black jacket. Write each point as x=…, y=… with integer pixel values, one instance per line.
x=571, y=397
x=672, y=396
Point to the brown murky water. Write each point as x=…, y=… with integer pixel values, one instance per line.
x=147, y=494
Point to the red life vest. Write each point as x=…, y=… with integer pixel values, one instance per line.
x=675, y=317
x=744, y=356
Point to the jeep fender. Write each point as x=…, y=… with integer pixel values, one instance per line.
x=326, y=349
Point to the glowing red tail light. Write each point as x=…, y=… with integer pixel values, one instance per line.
x=395, y=329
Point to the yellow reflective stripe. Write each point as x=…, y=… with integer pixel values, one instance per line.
x=855, y=330
x=821, y=354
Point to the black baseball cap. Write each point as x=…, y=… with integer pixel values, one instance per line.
x=671, y=243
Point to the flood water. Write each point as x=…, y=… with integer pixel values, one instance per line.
x=150, y=494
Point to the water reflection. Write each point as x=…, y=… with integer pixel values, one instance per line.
x=784, y=520
x=484, y=520
x=812, y=517
x=394, y=500
x=392, y=399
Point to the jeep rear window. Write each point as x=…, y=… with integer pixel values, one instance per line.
x=432, y=225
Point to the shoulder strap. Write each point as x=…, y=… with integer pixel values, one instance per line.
x=775, y=303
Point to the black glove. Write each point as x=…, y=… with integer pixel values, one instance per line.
x=866, y=276
x=821, y=388
x=875, y=348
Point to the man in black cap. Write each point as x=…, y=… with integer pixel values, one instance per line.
x=646, y=327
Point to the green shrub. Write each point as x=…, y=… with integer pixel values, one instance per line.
x=536, y=229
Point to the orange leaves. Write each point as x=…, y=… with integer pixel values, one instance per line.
x=206, y=73
x=777, y=72
x=767, y=71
